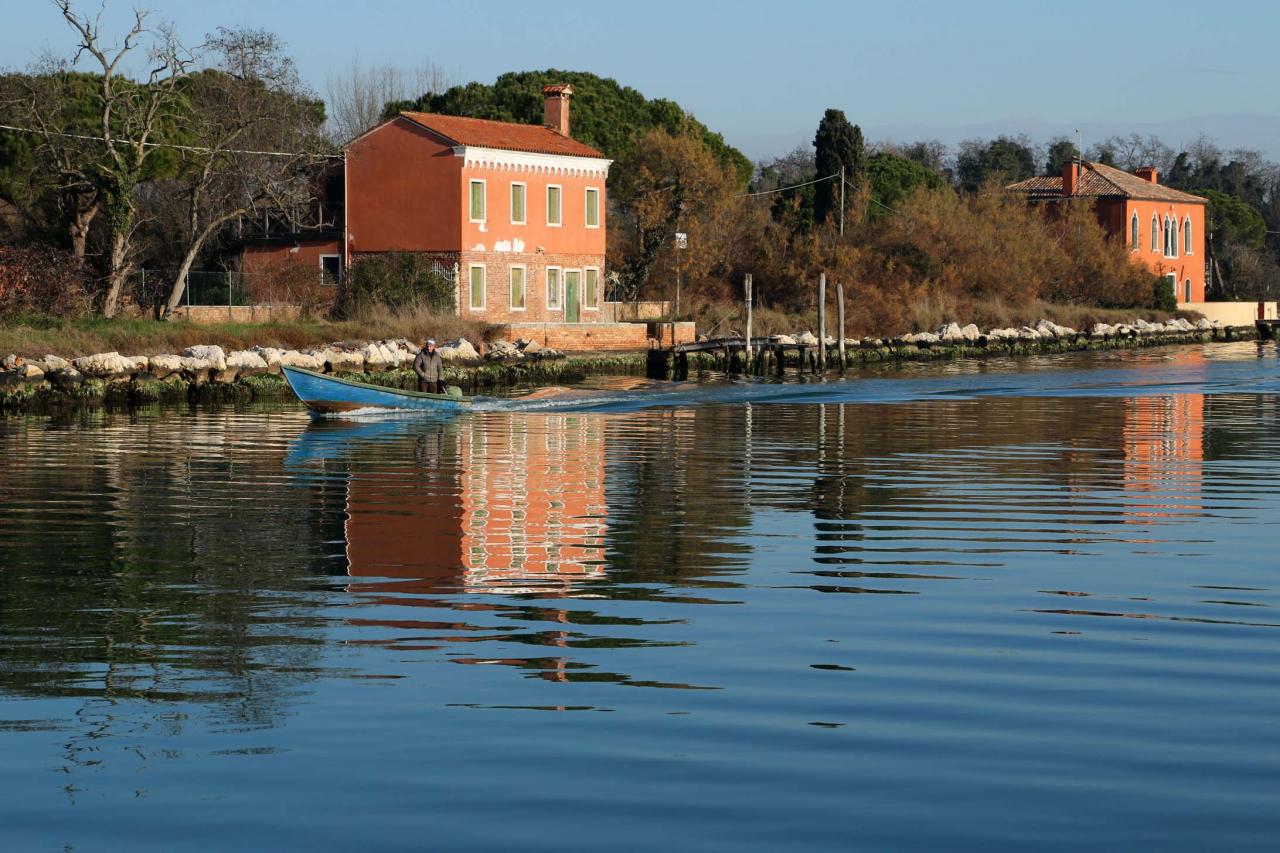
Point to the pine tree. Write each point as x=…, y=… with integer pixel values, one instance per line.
x=836, y=144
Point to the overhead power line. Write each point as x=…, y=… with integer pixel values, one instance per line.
x=172, y=146
x=795, y=186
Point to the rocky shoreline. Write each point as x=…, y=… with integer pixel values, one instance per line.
x=209, y=374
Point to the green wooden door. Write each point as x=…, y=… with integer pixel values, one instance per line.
x=572, y=295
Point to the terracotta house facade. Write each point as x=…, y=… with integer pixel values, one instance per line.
x=517, y=212
x=1162, y=227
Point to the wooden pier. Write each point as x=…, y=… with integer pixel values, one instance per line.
x=758, y=356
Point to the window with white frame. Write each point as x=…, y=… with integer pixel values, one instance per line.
x=477, y=201
x=553, y=204
x=477, y=282
x=591, y=288
x=593, y=207
x=1173, y=237
x=1155, y=233
x=518, y=193
x=553, y=288
x=1186, y=238
x=330, y=270
x=517, y=288
x=1134, y=231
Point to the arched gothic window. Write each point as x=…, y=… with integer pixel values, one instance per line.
x=1155, y=233
x=1186, y=236
x=1134, y=234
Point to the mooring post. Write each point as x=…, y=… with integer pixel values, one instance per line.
x=822, y=321
x=746, y=286
x=840, y=321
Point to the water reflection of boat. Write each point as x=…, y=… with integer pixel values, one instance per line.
x=329, y=394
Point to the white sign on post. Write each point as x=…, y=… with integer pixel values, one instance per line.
x=682, y=240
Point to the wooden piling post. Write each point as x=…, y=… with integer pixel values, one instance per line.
x=822, y=321
x=746, y=286
x=840, y=321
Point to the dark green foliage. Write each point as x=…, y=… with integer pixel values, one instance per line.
x=1162, y=296
x=398, y=280
x=1232, y=220
x=1010, y=159
x=837, y=144
x=604, y=114
x=893, y=178
x=1061, y=151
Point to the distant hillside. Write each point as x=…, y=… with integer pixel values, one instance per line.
x=604, y=113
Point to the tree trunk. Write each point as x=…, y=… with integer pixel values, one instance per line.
x=79, y=229
x=179, y=285
x=120, y=269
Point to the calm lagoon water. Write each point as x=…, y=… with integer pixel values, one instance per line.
x=1029, y=604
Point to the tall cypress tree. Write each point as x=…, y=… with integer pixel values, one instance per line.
x=837, y=143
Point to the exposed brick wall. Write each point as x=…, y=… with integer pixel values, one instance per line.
x=601, y=337
x=497, y=308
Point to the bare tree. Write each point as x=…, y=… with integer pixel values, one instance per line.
x=358, y=96
x=254, y=130
x=132, y=115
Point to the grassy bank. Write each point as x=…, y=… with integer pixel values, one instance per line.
x=35, y=336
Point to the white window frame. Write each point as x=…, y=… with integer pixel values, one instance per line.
x=1135, y=231
x=558, y=304
x=1186, y=290
x=484, y=199
x=1172, y=278
x=1155, y=233
x=560, y=193
x=586, y=206
x=324, y=282
x=524, y=274
x=1186, y=236
x=511, y=203
x=599, y=285
x=484, y=286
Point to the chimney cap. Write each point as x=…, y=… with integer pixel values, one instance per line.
x=563, y=89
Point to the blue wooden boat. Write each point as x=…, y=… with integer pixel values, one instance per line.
x=328, y=394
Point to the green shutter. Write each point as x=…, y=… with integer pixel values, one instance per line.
x=477, y=287
x=517, y=287
x=477, y=200
x=589, y=299
x=593, y=208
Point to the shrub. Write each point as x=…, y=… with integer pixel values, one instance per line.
x=43, y=281
x=408, y=281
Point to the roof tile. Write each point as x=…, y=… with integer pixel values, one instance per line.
x=1098, y=179
x=504, y=135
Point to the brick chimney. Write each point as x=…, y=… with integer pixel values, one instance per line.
x=1148, y=173
x=555, y=107
x=1071, y=177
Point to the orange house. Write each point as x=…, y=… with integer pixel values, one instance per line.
x=1163, y=227
x=520, y=209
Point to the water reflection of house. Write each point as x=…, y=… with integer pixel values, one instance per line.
x=491, y=502
x=1163, y=455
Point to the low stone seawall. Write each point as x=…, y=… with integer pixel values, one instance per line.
x=950, y=342
x=208, y=374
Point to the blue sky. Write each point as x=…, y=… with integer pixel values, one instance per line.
x=762, y=72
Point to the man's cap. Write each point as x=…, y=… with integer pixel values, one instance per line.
x=431, y=340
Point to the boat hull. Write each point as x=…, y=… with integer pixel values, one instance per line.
x=330, y=395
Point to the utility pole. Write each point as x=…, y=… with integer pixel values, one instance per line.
x=842, y=201
x=746, y=286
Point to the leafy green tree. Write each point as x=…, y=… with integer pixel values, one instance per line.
x=605, y=114
x=892, y=178
x=1061, y=151
x=1232, y=220
x=837, y=145
x=1009, y=158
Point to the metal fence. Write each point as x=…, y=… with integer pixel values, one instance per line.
x=150, y=288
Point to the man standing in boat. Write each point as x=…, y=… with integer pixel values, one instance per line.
x=430, y=368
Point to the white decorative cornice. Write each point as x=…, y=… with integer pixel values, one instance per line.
x=530, y=163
